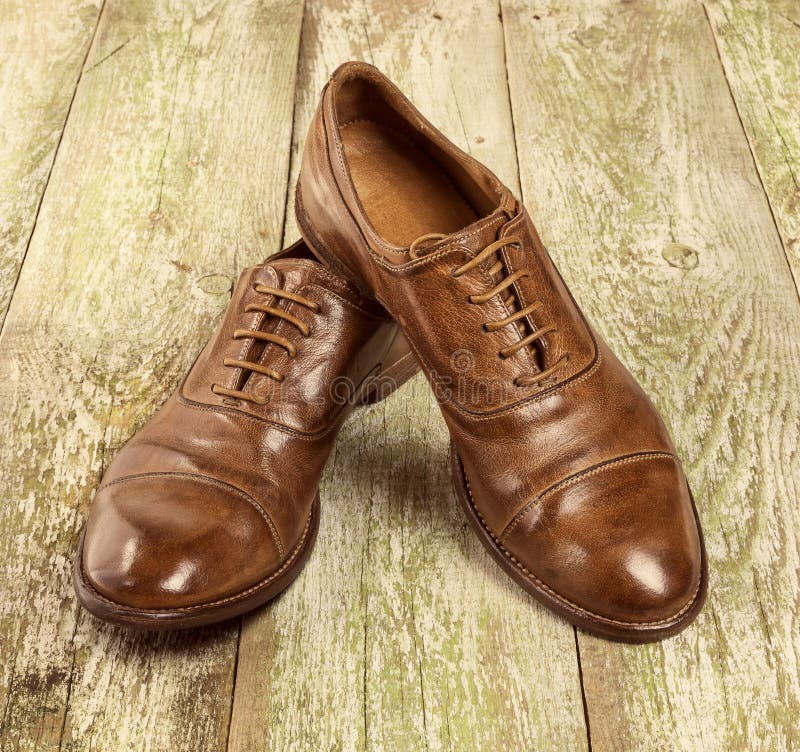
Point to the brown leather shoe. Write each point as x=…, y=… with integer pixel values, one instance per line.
x=559, y=459
x=212, y=508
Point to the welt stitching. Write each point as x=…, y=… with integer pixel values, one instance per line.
x=253, y=588
x=577, y=478
x=212, y=481
x=574, y=606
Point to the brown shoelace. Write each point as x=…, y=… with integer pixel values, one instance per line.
x=509, y=300
x=275, y=339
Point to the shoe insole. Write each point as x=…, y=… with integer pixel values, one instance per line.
x=404, y=192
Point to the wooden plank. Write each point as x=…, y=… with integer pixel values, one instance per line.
x=170, y=177
x=402, y=634
x=758, y=44
x=43, y=44
x=634, y=162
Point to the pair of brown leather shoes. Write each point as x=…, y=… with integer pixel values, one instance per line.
x=560, y=461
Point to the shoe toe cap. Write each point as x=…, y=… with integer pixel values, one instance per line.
x=165, y=541
x=619, y=541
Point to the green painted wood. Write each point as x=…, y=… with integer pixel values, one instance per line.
x=759, y=46
x=43, y=44
x=402, y=634
x=635, y=165
x=170, y=177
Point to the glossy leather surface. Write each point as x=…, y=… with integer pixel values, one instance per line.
x=214, y=495
x=575, y=478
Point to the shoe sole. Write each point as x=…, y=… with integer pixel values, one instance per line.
x=595, y=624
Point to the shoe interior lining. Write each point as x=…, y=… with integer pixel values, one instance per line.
x=403, y=191
x=407, y=184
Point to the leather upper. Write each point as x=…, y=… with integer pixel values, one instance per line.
x=575, y=477
x=214, y=494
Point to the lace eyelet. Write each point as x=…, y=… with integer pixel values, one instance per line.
x=484, y=327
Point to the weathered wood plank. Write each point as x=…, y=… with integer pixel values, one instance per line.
x=171, y=175
x=43, y=44
x=759, y=45
x=402, y=634
x=634, y=162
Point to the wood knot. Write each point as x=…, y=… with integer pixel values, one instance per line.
x=215, y=284
x=680, y=256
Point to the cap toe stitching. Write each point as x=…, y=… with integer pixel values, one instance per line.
x=211, y=481
x=295, y=552
x=568, y=603
x=577, y=478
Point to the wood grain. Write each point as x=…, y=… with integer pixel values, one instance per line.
x=759, y=46
x=634, y=163
x=402, y=634
x=658, y=146
x=170, y=177
x=42, y=48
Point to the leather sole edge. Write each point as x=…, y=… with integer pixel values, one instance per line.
x=633, y=633
x=195, y=616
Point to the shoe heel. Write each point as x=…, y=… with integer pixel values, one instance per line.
x=399, y=365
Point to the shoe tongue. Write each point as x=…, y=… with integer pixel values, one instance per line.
x=475, y=237
x=295, y=273
x=480, y=234
x=486, y=230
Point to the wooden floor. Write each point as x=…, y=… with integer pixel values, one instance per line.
x=147, y=153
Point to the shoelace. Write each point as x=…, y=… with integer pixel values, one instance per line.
x=502, y=286
x=275, y=339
